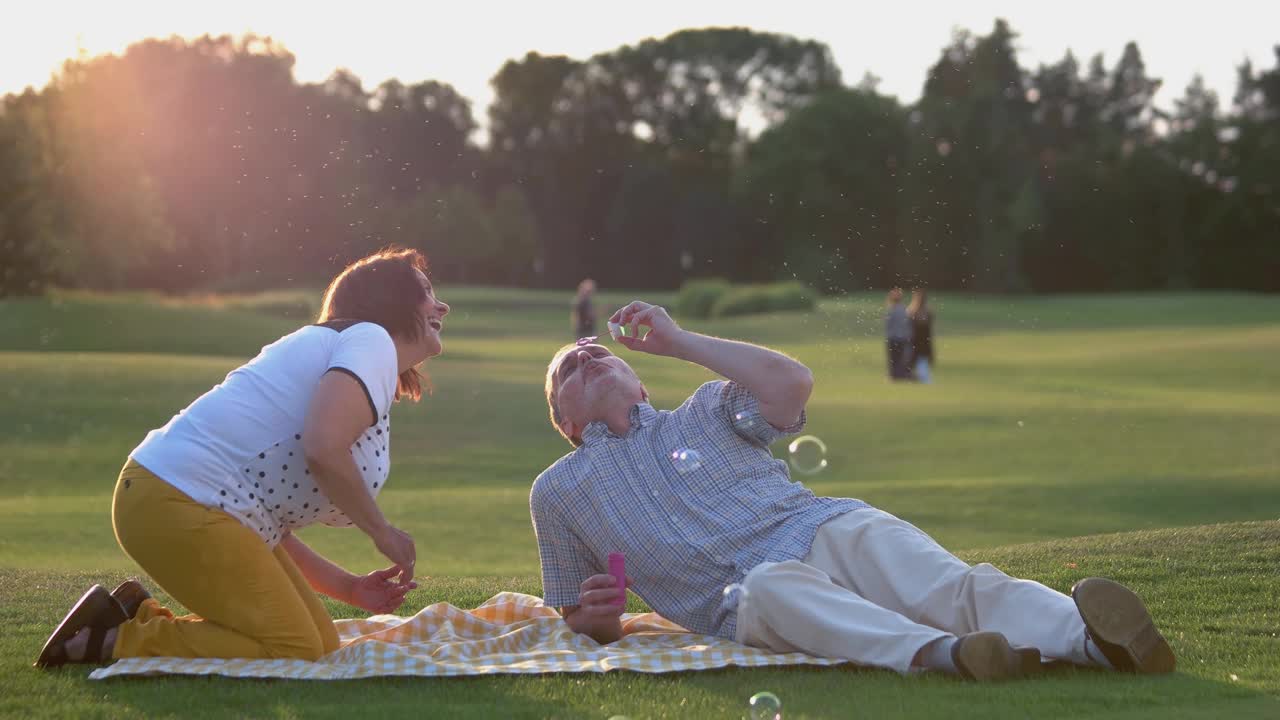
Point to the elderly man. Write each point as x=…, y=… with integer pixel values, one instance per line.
x=718, y=539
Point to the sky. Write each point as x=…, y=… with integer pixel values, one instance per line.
x=465, y=43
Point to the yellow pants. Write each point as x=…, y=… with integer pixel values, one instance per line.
x=248, y=601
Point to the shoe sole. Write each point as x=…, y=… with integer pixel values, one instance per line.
x=1117, y=617
x=988, y=657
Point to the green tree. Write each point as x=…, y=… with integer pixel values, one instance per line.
x=970, y=159
x=581, y=137
x=822, y=192
x=517, y=235
x=1193, y=193
x=110, y=218
x=1242, y=246
x=30, y=258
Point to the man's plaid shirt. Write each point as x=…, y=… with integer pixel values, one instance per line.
x=689, y=527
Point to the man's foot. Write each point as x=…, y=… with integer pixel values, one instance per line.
x=1120, y=626
x=988, y=656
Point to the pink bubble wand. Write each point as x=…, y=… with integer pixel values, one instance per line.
x=618, y=569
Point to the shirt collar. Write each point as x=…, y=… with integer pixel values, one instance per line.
x=642, y=413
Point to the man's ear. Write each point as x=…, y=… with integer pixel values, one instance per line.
x=567, y=427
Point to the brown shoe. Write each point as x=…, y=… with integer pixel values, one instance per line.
x=988, y=657
x=1121, y=627
x=96, y=610
x=130, y=595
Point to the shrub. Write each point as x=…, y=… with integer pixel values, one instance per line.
x=774, y=297
x=291, y=304
x=697, y=297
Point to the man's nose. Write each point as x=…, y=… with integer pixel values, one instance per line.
x=442, y=307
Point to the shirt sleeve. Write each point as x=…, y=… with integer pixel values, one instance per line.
x=566, y=561
x=366, y=352
x=728, y=402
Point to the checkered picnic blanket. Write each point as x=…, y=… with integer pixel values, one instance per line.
x=511, y=633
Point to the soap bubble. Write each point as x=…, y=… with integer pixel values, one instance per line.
x=1020, y=423
x=744, y=421
x=765, y=706
x=686, y=460
x=808, y=455
x=736, y=594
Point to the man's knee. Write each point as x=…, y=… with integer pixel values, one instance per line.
x=769, y=581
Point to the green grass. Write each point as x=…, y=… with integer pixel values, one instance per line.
x=1054, y=421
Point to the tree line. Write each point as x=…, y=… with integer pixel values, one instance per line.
x=722, y=152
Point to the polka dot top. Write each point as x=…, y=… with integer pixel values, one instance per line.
x=276, y=492
x=238, y=447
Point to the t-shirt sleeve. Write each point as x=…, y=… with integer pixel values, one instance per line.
x=566, y=560
x=733, y=405
x=366, y=353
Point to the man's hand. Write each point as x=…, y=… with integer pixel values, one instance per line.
x=599, y=610
x=377, y=593
x=663, y=335
x=599, y=596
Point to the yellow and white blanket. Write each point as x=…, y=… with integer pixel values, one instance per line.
x=511, y=633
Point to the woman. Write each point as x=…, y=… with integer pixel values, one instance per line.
x=921, y=317
x=897, y=330
x=584, y=310
x=208, y=504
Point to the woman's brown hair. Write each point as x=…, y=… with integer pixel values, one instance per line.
x=384, y=289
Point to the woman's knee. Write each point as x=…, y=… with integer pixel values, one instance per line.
x=304, y=643
x=329, y=639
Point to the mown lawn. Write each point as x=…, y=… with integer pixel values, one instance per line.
x=1052, y=419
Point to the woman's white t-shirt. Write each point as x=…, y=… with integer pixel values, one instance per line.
x=238, y=447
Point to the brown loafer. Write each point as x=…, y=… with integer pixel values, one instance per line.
x=1121, y=627
x=96, y=610
x=130, y=595
x=988, y=657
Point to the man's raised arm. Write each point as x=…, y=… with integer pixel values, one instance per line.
x=781, y=384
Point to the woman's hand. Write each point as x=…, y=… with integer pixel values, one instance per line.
x=377, y=593
x=374, y=592
x=398, y=546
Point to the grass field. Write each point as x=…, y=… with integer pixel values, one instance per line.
x=1131, y=436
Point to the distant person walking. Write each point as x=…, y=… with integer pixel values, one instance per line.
x=897, y=330
x=584, y=309
x=921, y=316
